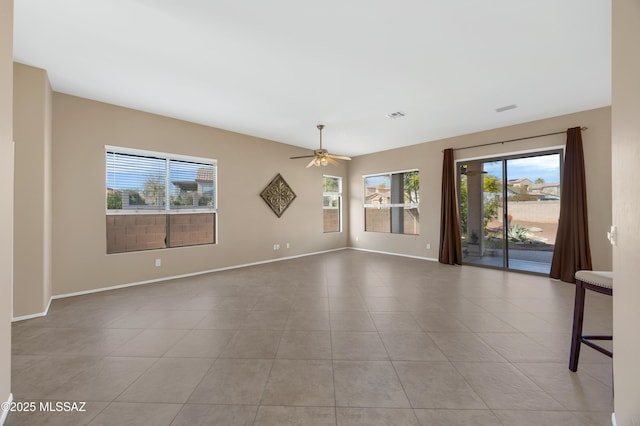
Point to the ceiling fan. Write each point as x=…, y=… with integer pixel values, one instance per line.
x=321, y=157
x=466, y=172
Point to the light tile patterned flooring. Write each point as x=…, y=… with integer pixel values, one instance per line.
x=341, y=338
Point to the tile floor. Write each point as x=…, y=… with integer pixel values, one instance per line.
x=341, y=338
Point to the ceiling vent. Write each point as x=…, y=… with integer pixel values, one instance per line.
x=396, y=114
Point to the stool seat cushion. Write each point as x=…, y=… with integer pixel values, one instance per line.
x=600, y=278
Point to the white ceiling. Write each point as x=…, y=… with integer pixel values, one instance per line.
x=275, y=69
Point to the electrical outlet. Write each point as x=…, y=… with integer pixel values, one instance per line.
x=275, y=247
x=357, y=238
x=158, y=262
x=288, y=245
x=612, y=235
x=428, y=246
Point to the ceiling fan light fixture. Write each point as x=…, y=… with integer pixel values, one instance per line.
x=321, y=157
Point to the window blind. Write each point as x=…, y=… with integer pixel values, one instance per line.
x=135, y=182
x=147, y=183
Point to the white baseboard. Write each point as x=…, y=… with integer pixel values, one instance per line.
x=613, y=419
x=192, y=274
x=173, y=277
x=5, y=413
x=36, y=315
x=395, y=254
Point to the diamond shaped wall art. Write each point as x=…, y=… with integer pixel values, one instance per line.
x=278, y=195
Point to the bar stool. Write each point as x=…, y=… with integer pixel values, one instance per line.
x=600, y=282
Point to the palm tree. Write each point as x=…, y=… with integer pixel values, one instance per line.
x=411, y=186
x=154, y=186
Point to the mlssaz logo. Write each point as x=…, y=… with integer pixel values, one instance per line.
x=62, y=406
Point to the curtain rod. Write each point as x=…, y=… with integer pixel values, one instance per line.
x=517, y=139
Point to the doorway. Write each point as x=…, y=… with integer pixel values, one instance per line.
x=509, y=210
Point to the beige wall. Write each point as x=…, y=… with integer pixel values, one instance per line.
x=625, y=112
x=83, y=127
x=6, y=189
x=247, y=228
x=427, y=158
x=32, y=223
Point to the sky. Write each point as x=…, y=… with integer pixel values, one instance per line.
x=546, y=167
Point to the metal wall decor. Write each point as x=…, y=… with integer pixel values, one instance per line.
x=278, y=195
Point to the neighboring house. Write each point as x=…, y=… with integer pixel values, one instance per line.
x=182, y=186
x=203, y=184
x=377, y=195
x=377, y=198
x=544, y=189
x=204, y=180
x=198, y=192
x=524, y=187
x=521, y=185
x=512, y=192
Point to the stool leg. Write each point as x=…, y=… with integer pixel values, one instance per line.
x=578, y=317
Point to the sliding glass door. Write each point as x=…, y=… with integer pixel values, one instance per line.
x=509, y=209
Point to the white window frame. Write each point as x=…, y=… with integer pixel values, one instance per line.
x=339, y=194
x=390, y=205
x=166, y=209
x=378, y=206
x=167, y=157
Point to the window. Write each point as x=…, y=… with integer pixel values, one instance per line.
x=332, y=203
x=391, y=202
x=156, y=200
x=509, y=210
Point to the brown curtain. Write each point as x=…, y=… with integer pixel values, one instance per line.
x=450, y=246
x=572, y=252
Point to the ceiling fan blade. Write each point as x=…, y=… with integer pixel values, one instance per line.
x=475, y=172
x=321, y=156
x=339, y=157
x=332, y=161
